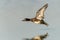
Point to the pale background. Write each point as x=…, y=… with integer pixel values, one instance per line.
x=13, y=11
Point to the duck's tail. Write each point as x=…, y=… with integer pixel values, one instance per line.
x=46, y=24
x=43, y=22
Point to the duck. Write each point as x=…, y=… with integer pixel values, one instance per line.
x=39, y=37
x=39, y=18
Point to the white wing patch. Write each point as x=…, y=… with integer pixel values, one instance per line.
x=40, y=12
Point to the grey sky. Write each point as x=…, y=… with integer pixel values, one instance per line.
x=13, y=11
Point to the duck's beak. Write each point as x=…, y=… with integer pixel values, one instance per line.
x=24, y=20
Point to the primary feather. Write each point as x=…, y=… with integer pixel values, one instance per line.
x=40, y=12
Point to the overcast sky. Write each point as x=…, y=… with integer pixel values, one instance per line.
x=13, y=11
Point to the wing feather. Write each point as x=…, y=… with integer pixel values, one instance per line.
x=40, y=12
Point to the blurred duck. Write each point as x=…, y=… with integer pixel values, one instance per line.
x=38, y=19
x=39, y=37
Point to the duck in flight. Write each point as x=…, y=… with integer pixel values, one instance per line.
x=39, y=18
x=39, y=37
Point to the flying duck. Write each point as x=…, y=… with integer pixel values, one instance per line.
x=39, y=37
x=39, y=18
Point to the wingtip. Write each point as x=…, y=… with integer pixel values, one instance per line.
x=46, y=4
x=47, y=33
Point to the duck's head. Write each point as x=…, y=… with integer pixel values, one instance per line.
x=26, y=19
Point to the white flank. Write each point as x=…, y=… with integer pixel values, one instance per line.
x=37, y=22
x=37, y=37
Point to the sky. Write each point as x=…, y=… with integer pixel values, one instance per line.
x=13, y=11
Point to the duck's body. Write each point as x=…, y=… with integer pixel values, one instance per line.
x=39, y=37
x=38, y=19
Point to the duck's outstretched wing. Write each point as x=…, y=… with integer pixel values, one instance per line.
x=44, y=36
x=40, y=12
